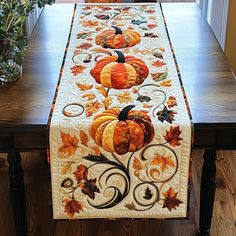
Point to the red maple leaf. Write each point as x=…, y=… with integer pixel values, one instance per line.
x=172, y=136
x=75, y=70
x=72, y=206
x=81, y=173
x=171, y=200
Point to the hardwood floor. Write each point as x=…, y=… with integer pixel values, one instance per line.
x=40, y=221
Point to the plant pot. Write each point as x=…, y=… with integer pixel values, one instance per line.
x=10, y=71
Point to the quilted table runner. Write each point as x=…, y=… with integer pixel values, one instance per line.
x=120, y=132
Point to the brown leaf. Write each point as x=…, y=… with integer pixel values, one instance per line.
x=165, y=162
x=84, y=138
x=148, y=194
x=171, y=200
x=124, y=97
x=107, y=102
x=72, y=206
x=90, y=96
x=101, y=90
x=75, y=70
x=130, y=206
x=171, y=102
x=84, y=87
x=84, y=46
x=69, y=145
x=172, y=136
x=81, y=173
x=89, y=188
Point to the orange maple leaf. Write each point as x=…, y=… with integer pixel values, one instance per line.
x=158, y=63
x=84, y=87
x=92, y=107
x=69, y=145
x=124, y=97
x=152, y=26
x=165, y=162
x=90, y=23
x=171, y=200
x=81, y=173
x=84, y=138
x=75, y=70
x=172, y=136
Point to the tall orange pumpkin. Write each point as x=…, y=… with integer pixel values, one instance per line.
x=120, y=72
x=117, y=38
x=122, y=131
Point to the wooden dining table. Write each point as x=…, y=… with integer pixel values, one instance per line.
x=208, y=81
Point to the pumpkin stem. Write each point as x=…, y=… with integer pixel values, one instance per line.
x=121, y=57
x=124, y=113
x=118, y=30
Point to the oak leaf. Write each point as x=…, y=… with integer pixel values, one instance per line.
x=148, y=194
x=69, y=145
x=89, y=188
x=166, y=115
x=75, y=70
x=172, y=136
x=72, y=206
x=164, y=162
x=171, y=200
x=84, y=87
x=171, y=102
x=84, y=138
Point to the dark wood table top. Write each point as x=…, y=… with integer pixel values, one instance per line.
x=208, y=81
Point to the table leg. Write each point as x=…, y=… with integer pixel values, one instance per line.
x=17, y=191
x=207, y=194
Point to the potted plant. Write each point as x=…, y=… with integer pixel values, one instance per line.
x=13, y=42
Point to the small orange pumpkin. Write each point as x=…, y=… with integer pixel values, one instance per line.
x=120, y=72
x=122, y=131
x=118, y=38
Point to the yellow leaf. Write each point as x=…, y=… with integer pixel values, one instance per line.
x=101, y=90
x=66, y=168
x=84, y=138
x=166, y=83
x=107, y=102
x=90, y=96
x=124, y=97
x=84, y=87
